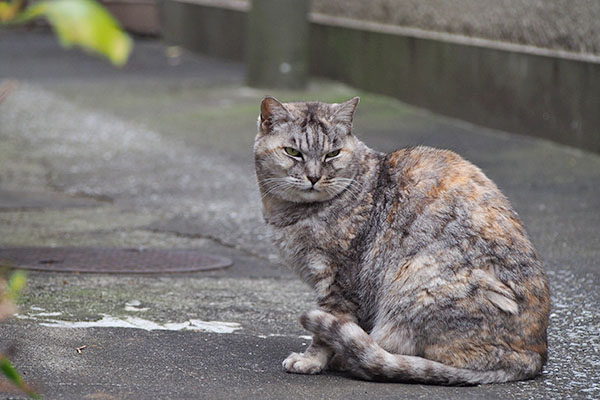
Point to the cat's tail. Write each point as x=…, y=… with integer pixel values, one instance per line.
x=367, y=360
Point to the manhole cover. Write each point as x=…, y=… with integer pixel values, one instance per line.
x=110, y=260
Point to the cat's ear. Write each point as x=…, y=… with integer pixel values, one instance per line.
x=344, y=113
x=272, y=111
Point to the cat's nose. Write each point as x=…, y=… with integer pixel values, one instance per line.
x=313, y=179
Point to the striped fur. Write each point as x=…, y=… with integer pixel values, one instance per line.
x=367, y=360
x=422, y=270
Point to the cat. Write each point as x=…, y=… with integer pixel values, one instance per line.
x=422, y=270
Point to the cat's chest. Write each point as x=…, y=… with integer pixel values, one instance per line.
x=303, y=237
x=326, y=233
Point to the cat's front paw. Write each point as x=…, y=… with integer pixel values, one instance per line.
x=301, y=364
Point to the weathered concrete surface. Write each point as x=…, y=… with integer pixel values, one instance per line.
x=559, y=24
x=221, y=32
x=570, y=25
x=277, y=45
x=159, y=155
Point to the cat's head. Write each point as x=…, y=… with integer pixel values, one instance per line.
x=305, y=152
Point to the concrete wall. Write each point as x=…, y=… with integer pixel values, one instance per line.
x=544, y=93
x=572, y=25
x=553, y=95
x=216, y=28
x=137, y=16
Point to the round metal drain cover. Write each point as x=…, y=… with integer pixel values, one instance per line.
x=110, y=260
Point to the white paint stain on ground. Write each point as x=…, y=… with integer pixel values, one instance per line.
x=41, y=312
x=134, y=305
x=48, y=314
x=108, y=321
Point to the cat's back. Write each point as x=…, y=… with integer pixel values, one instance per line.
x=439, y=203
x=434, y=171
x=440, y=183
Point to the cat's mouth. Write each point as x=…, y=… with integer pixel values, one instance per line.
x=314, y=190
x=312, y=194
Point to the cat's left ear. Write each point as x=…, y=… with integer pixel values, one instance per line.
x=344, y=113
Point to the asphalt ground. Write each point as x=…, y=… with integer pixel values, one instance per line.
x=159, y=155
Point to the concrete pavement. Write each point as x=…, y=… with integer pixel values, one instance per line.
x=159, y=155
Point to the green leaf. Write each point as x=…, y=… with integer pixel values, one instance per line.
x=7, y=11
x=85, y=23
x=16, y=283
x=10, y=372
x=12, y=375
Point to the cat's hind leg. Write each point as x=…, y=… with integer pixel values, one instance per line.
x=330, y=329
x=394, y=338
x=368, y=360
x=314, y=359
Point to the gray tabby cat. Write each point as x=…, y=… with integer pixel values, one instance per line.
x=422, y=270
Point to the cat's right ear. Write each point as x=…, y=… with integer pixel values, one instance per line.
x=272, y=111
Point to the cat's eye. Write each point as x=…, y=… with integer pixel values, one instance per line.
x=292, y=152
x=332, y=154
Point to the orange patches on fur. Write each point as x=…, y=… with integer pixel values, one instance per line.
x=392, y=214
x=348, y=224
x=515, y=222
x=491, y=228
x=532, y=333
x=458, y=288
x=445, y=185
x=454, y=181
x=400, y=274
x=540, y=348
x=409, y=268
x=425, y=298
x=474, y=193
x=349, y=235
x=494, y=224
x=395, y=157
x=533, y=301
x=460, y=353
x=446, y=182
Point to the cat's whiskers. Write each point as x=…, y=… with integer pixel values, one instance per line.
x=277, y=189
x=349, y=181
x=274, y=187
x=268, y=180
x=340, y=184
x=283, y=185
x=334, y=189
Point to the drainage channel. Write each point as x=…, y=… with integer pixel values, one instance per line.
x=110, y=260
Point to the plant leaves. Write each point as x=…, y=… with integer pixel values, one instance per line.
x=16, y=283
x=85, y=23
x=8, y=11
x=10, y=372
x=12, y=375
